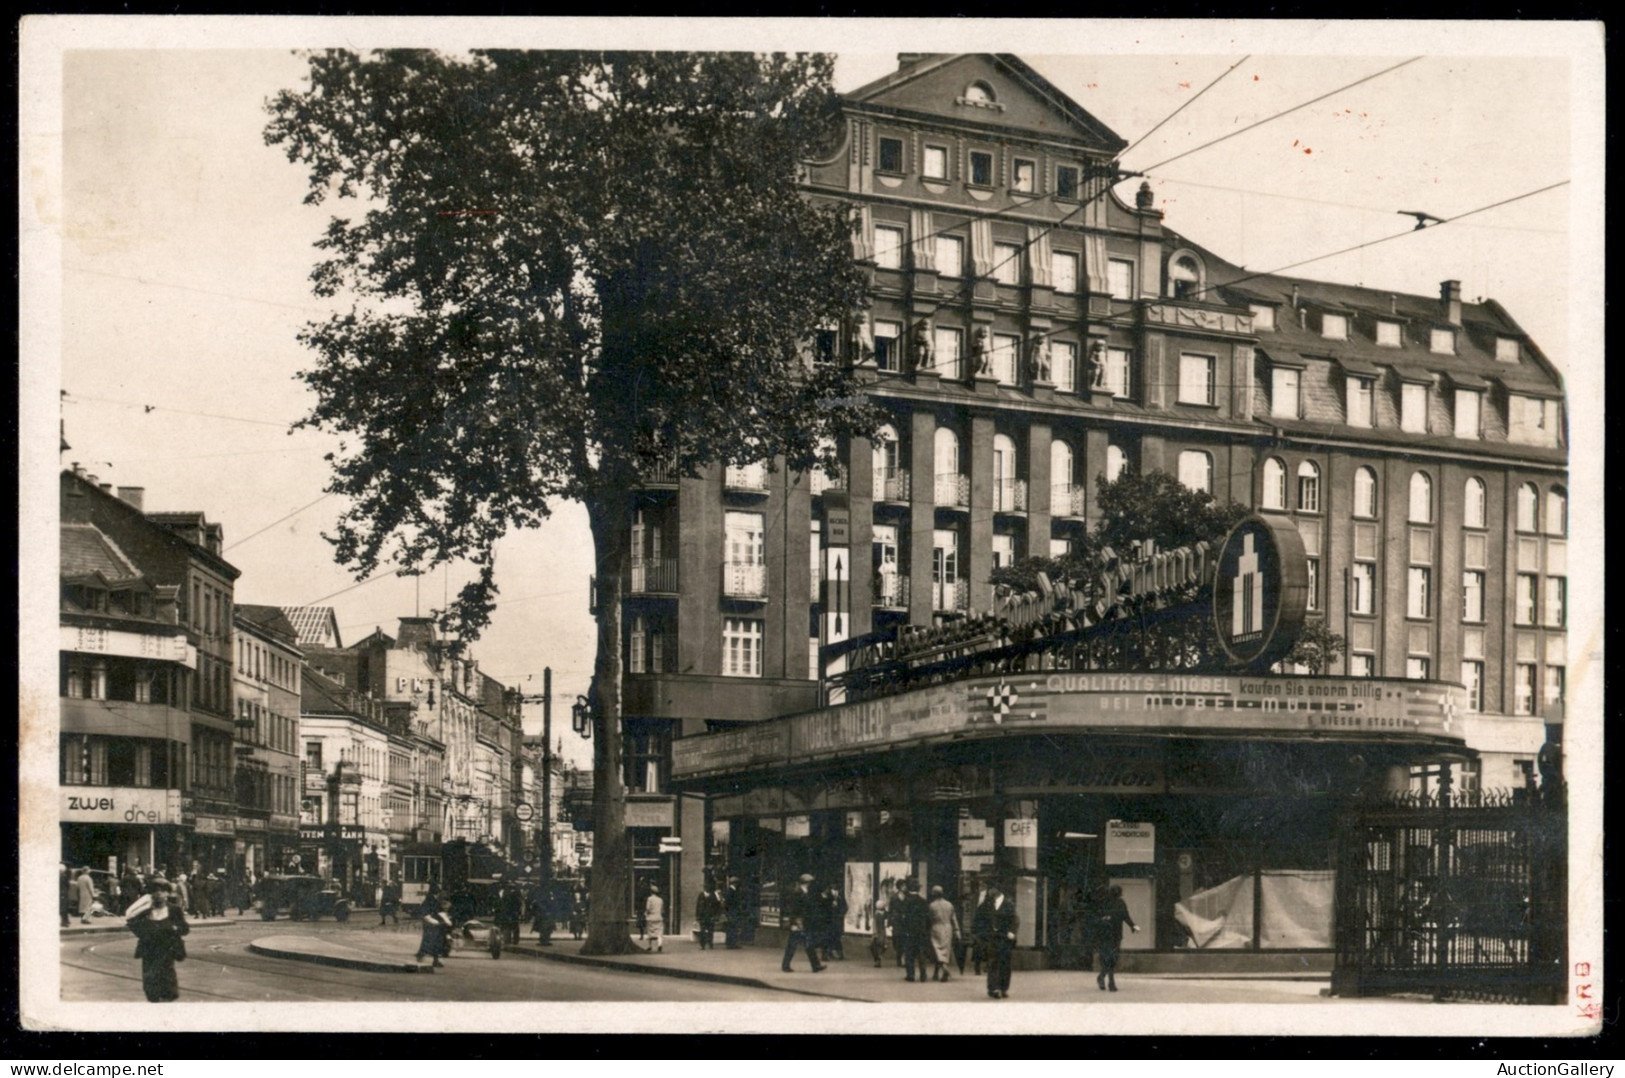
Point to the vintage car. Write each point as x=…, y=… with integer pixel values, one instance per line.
x=304, y=897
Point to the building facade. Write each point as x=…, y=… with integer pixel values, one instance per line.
x=179, y=556
x=267, y=686
x=1029, y=333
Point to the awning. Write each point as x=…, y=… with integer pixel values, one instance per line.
x=1466, y=380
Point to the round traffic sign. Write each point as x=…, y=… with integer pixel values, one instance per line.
x=524, y=811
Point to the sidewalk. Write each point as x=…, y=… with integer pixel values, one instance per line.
x=115, y=923
x=855, y=979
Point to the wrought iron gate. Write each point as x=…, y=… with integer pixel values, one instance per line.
x=1455, y=896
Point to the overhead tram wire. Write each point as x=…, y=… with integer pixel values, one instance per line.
x=279, y=520
x=74, y=398
x=1187, y=104
x=1278, y=115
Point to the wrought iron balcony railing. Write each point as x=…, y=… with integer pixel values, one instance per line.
x=744, y=581
x=952, y=491
x=751, y=478
x=653, y=576
x=950, y=595
x=1066, y=500
x=1009, y=495
x=891, y=591
x=891, y=486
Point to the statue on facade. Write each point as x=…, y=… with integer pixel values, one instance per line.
x=981, y=357
x=1038, y=360
x=1094, y=366
x=921, y=345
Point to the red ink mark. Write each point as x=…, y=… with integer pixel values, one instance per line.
x=1592, y=1011
x=1582, y=969
x=1184, y=86
x=1255, y=78
x=1294, y=142
x=1307, y=150
x=1582, y=991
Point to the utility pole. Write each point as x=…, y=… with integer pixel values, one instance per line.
x=547, y=781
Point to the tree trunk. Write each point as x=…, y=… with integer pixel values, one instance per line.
x=610, y=898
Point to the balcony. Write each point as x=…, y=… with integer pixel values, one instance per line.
x=748, y=582
x=952, y=491
x=891, y=486
x=1066, y=500
x=653, y=576
x=1009, y=495
x=891, y=591
x=661, y=475
x=745, y=479
x=820, y=481
x=950, y=596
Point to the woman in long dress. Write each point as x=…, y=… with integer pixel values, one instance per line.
x=944, y=930
x=158, y=923
x=433, y=943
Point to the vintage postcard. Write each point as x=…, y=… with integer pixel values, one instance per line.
x=1031, y=525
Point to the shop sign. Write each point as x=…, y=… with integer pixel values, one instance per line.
x=247, y=823
x=120, y=804
x=333, y=832
x=649, y=814
x=767, y=904
x=1021, y=834
x=129, y=645
x=798, y=827
x=1130, y=843
x=1260, y=590
x=839, y=522
x=975, y=837
x=214, y=825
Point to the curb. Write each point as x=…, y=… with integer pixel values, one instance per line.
x=91, y=930
x=670, y=971
x=362, y=964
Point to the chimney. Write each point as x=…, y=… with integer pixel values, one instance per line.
x=132, y=495
x=1144, y=199
x=1450, y=301
x=106, y=488
x=1294, y=296
x=906, y=60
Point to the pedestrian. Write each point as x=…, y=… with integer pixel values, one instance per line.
x=578, y=912
x=159, y=925
x=510, y=911
x=733, y=911
x=129, y=887
x=115, y=894
x=85, y=894
x=432, y=944
x=797, y=913
x=183, y=892
x=974, y=900
x=65, y=891
x=996, y=926
x=834, y=923
x=912, y=930
x=389, y=903
x=640, y=906
x=541, y=912
x=944, y=932
x=654, y=917
x=1110, y=917
x=877, y=929
x=706, y=909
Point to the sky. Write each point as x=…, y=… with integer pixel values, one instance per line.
x=184, y=249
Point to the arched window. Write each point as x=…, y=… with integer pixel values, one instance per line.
x=886, y=457
x=1421, y=499
x=1116, y=463
x=1308, y=487
x=1184, y=276
x=1005, y=497
x=1060, y=480
x=1274, y=493
x=1365, y=492
x=979, y=93
x=946, y=452
x=1557, y=512
x=1528, y=508
x=1473, y=502
x=1196, y=470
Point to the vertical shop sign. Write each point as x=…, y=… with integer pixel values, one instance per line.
x=1130, y=843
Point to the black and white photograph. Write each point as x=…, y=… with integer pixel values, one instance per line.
x=680, y=525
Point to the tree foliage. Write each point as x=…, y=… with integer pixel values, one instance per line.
x=1317, y=648
x=565, y=268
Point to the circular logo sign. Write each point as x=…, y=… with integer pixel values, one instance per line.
x=523, y=811
x=1261, y=590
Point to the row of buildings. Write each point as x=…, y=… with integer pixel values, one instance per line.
x=246, y=738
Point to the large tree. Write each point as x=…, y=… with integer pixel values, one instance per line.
x=566, y=269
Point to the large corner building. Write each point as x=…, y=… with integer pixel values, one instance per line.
x=1029, y=333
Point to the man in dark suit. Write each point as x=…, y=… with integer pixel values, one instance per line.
x=798, y=914
x=912, y=929
x=1110, y=917
x=995, y=928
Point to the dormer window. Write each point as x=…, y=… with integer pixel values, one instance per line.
x=1184, y=277
x=1263, y=317
x=1023, y=175
x=1284, y=392
x=981, y=169
x=891, y=155
x=1507, y=350
x=1468, y=404
x=1359, y=401
x=935, y=163
x=1388, y=334
x=1334, y=327
x=1066, y=181
x=1413, y=408
x=1443, y=341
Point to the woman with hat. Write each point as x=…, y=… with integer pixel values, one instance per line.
x=944, y=931
x=159, y=924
